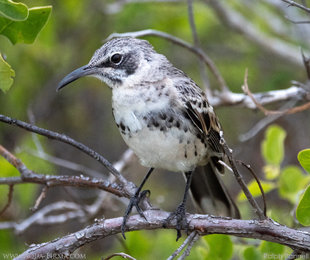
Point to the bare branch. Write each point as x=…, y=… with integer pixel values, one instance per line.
x=127, y=187
x=228, y=98
x=292, y=3
x=265, y=229
x=64, y=163
x=42, y=216
x=261, y=124
x=123, y=255
x=306, y=61
x=190, y=246
x=293, y=110
x=51, y=180
x=228, y=152
x=258, y=183
x=202, y=68
x=65, y=139
x=237, y=22
x=297, y=22
x=10, y=195
x=186, y=242
x=40, y=198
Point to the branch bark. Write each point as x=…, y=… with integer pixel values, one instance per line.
x=65, y=139
x=128, y=186
x=267, y=229
x=28, y=176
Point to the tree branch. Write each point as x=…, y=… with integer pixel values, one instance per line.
x=64, y=139
x=228, y=98
x=10, y=195
x=28, y=176
x=292, y=3
x=265, y=229
x=128, y=187
x=237, y=22
x=267, y=112
x=187, y=242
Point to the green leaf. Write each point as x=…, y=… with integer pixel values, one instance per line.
x=291, y=181
x=25, y=31
x=303, y=208
x=220, y=247
x=254, y=189
x=304, y=159
x=272, y=250
x=13, y=11
x=273, y=145
x=251, y=253
x=6, y=75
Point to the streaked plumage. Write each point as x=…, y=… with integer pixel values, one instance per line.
x=162, y=115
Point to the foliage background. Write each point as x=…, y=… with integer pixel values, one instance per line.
x=83, y=111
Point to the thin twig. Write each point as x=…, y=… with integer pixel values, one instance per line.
x=44, y=217
x=292, y=3
x=51, y=180
x=306, y=61
x=202, y=70
x=65, y=163
x=261, y=124
x=228, y=98
x=64, y=180
x=40, y=198
x=65, y=139
x=75, y=210
x=241, y=182
x=189, y=246
x=10, y=196
x=123, y=255
x=197, y=51
x=237, y=22
x=183, y=245
x=258, y=183
x=293, y=110
x=297, y=22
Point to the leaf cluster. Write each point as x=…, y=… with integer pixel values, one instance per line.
x=19, y=24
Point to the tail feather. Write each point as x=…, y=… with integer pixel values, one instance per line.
x=210, y=194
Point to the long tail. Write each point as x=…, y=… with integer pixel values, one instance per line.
x=210, y=194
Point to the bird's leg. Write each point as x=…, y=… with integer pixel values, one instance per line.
x=135, y=200
x=180, y=212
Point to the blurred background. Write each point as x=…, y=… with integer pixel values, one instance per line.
x=83, y=111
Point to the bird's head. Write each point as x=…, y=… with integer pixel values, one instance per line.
x=115, y=62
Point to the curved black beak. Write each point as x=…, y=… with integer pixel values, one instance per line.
x=76, y=74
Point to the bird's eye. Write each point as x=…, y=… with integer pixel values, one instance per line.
x=116, y=58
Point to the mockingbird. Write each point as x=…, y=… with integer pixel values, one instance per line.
x=165, y=118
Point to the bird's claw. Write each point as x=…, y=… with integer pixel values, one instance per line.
x=180, y=215
x=134, y=202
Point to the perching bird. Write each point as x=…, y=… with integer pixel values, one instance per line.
x=165, y=118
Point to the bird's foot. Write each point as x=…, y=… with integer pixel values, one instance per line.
x=180, y=215
x=134, y=202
